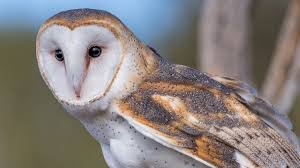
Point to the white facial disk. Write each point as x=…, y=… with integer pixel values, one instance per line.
x=78, y=77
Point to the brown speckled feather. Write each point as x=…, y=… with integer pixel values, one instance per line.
x=247, y=95
x=197, y=115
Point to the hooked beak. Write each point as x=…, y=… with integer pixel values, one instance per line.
x=76, y=71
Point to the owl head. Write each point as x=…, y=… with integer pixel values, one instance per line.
x=89, y=57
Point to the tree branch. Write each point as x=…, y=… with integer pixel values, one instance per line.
x=291, y=87
x=282, y=81
x=224, y=37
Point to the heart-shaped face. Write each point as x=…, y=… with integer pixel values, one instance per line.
x=78, y=57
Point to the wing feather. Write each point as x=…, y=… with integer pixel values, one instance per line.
x=248, y=95
x=198, y=116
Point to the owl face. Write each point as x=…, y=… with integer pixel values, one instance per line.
x=78, y=58
x=89, y=57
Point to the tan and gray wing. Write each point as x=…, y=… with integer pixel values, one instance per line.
x=248, y=95
x=198, y=116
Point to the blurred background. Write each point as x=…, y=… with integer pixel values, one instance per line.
x=35, y=132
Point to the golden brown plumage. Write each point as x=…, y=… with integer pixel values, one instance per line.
x=140, y=108
x=207, y=118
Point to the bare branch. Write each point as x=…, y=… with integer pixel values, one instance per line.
x=291, y=87
x=282, y=80
x=224, y=38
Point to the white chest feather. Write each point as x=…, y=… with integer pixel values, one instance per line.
x=125, y=147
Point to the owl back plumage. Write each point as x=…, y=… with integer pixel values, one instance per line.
x=209, y=119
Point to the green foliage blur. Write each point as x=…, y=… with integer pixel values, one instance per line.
x=35, y=132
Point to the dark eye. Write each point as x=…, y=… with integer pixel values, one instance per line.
x=95, y=51
x=59, y=55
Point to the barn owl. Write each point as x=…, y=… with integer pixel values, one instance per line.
x=147, y=112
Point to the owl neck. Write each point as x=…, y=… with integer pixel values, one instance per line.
x=136, y=67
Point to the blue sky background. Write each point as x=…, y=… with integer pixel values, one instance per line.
x=148, y=19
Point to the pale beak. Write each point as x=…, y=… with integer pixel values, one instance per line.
x=76, y=71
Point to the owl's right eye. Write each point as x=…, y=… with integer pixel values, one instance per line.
x=59, y=55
